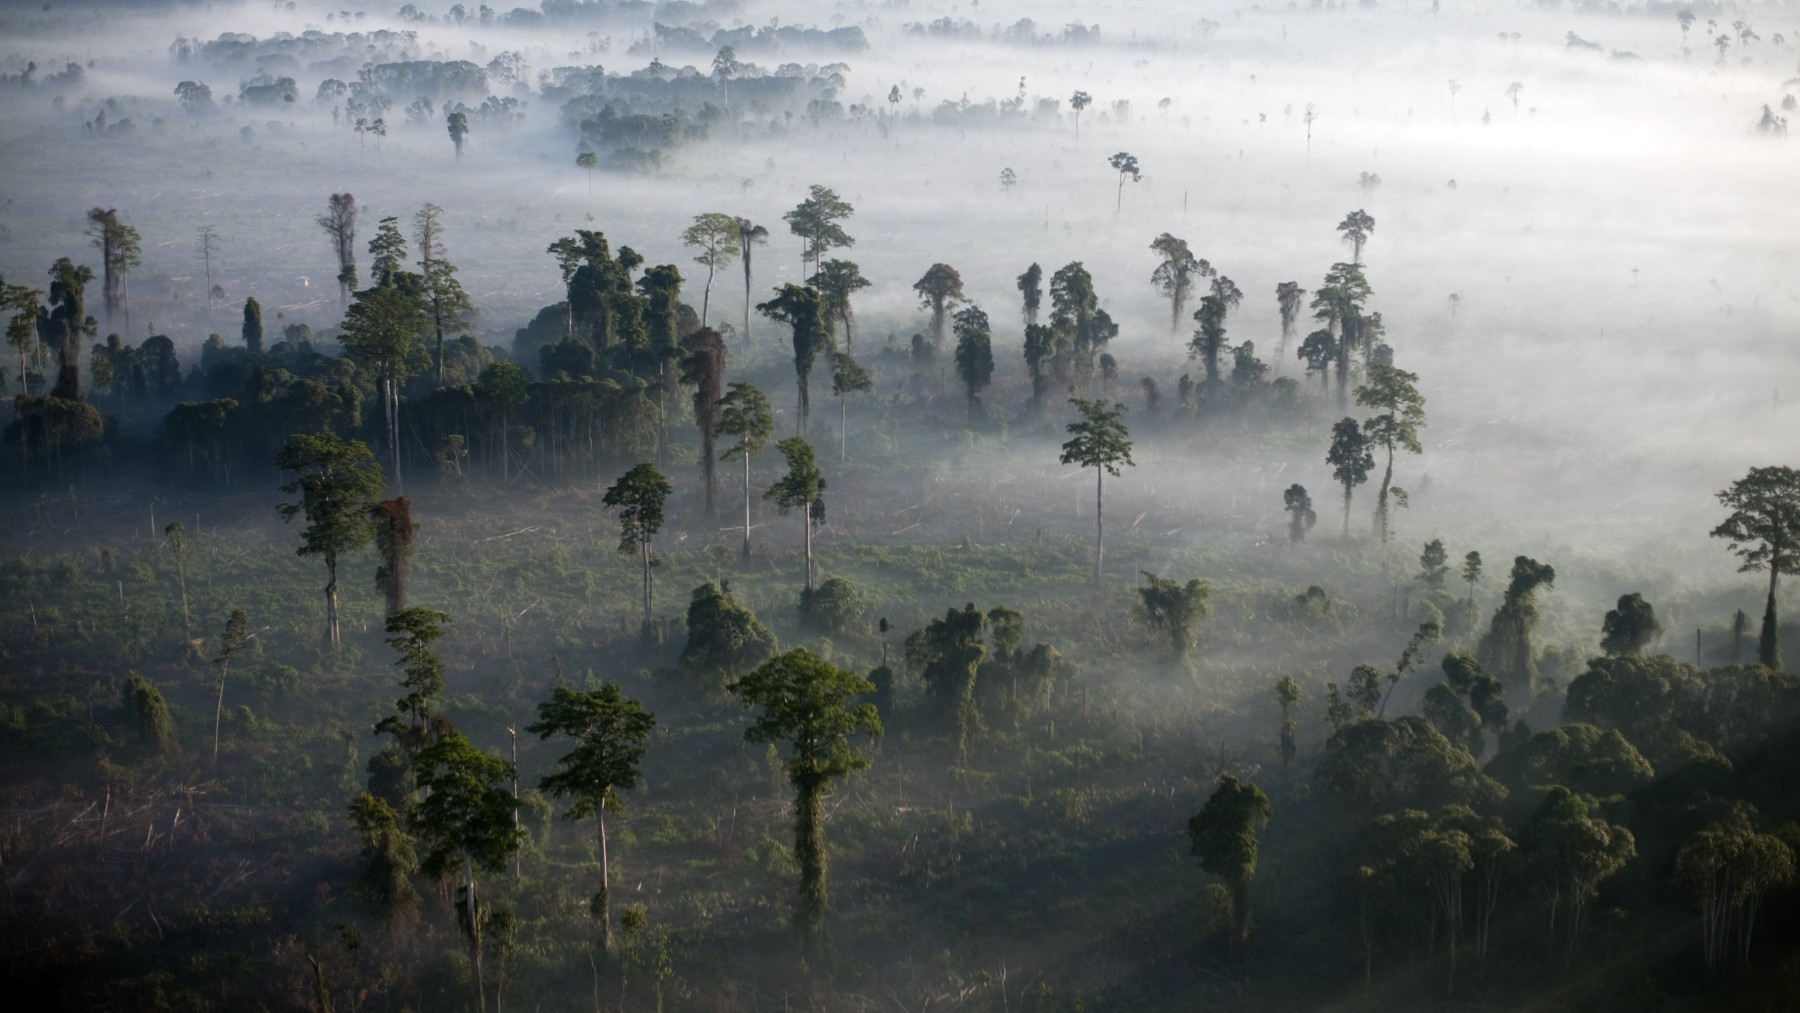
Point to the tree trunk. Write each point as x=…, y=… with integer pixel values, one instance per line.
x=604, y=902
x=809, y=851
x=706, y=297
x=1768, y=644
x=331, y=602
x=473, y=911
x=747, y=292
x=843, y=428
x=644, y=546
x=1099, y=524
x=1381, y=506
x=1347, y=492
x=806, y=518
x=218, y=710
x=746, y=553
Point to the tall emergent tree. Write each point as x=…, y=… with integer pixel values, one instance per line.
x=1394, y=395
x=744, y=414
x=1177, y=274
x=1630, y=627
x=847, y=378
x=339, y=223
x=1506, y=649
x=25, y=305
x=1098, y=440
x=609, y=731
x=209, y=245
x=716, y=238
x=839, y=280
x=1764, y=531
x=385, y=331
x=1031, y=292
x=1126, y=165
x=750, y=236
x=465, y=820
x=1339, y=302
x=439, y=294
x=815, y=221
x=120, y=249
x=231, y=643
x=1287, y=298
x=253, y=326
x=1080, y=100
x=1357, y=226
x=1350, y=460
x=457, y=123
x=802, y=309
x=974, y=355
x=639, y=495
x=703, y=369
x=810, y=705
x=394, y=530
x=1299, y=508
x=800, y=487
x=939, y=288
x=1223, y=836
x=338, y=480
x=67, y=323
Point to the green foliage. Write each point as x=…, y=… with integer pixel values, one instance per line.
x=947, y=653
x=1506, y=649
x=939, y=288
x=1630, y=627
x=835, y=606
x=149, y=715
x=1578, y=756
x=805, y=311
x=1764, y=531
x=815, y=221
x=723, y=636
x=609, y=733
x=1351, y=460
x=806, y=703
x=1400, y=413
x=1572, y=850
x=1383, y=765
x=1174, y=608
x=1434, y=565
x=1301, y=517
x=1727, y=868
x=388, y=860
x=1223, y=836
x=974, y=355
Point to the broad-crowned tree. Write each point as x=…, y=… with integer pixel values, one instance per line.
x=465, y=823
x=1176, y=274
x=337, y=480
x=440, y=295
x=1174, y=609
x=744, y=415
x=803, y=310
x=1629, y=627
x=809, y=704
x=815, y=220
x=715, y=239
x=1098, y=440
x=1506, y=649
x=1764, y=531
x=1727, y=868
x=1223, y=836
x=638, y=496
x=1339, y=303
x=939, y=288
x=724, y=638
x=839, y=280
x=608, y=731
x=1350, y=460
x=1393, y=394
x=1357, y=227
x=1572, y=850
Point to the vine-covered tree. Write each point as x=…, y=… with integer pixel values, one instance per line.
x=1339, y=303
x=703, y=369
x=1301, y=517
x=1764, y=531
x=809, y=704
x=338, y=481
x=804, y=310
x=1287, y=298
x=638, y=496
x=1177, y=273
x=1031, y=292
x=1174, y=608
x=121, y=249
x=1630, y=627
x=724, y=638
x=1098, y=440
x=609, y=732
x=457, y=124
x=252, y=330
x=339, y=223
x=839, y=280
x=1506, y=649
x=394, y=530
x=1223, y=836
x=974, y=356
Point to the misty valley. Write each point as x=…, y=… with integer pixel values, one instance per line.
x=748, y=505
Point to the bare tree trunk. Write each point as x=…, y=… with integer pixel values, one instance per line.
x=331, y=602
x=604, y=906
x=806, y=518
x=644, y=546
x=1099, y=526
x=746, y=552
x=218, y=710
x=474, y=931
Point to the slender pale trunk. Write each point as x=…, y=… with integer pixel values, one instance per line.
x=706, y=297
x=391, y=403
x=605, y=906
x=1099, y=525
x=218, y=711
x=1768, y=645
x=746, y=292
x=806, y=518
x=1347, y=491
x=746, y=553
x=844, y=428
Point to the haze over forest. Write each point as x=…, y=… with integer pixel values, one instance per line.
x=1135, y=599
